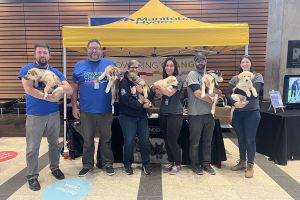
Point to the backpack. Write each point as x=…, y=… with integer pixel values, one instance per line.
x=74, y=142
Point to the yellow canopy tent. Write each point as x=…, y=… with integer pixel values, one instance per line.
x=154, y=30
x=157, y=30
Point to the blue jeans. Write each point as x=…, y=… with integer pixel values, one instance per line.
x=132, y=126
x=245, y=124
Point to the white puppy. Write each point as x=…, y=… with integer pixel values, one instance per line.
x=112, y=74
x=212, y=78
x=245, y=84
x=50, y=79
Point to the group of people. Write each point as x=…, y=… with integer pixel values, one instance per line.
x=95, y=114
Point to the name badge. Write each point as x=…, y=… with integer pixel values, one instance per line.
x=96, y=85
x=166, y=102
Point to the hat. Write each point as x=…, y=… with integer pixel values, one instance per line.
x=199, y=56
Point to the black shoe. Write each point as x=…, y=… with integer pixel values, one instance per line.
x=197, y=169
x=84, y=171
x=99, y=165
x=147, y=169
x=34, y=184
x=58, y=174
x=209, y=169
x=128, y=170
x=110, y=170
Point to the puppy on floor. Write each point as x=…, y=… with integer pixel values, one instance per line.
x=50, y=79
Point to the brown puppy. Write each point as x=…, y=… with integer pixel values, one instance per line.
x=50, y=80
x=138, y=81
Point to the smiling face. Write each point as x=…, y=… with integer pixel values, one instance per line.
x=94, y=52
x=245, y=64
x=170, y=68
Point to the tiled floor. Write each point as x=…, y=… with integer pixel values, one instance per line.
x=226, y=184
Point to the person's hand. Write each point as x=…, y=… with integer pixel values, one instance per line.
x=240, y=104
x=207, y=99
x=53, y=98
x=76, y=111
x=218, y=92
x=147, y=105
x=139, y=88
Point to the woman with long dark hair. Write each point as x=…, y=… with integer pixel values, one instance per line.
x=171, y=115
x=246, y=117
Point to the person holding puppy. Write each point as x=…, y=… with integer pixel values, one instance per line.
x=200, y=118
x=42, y=115
x=171, y=115
x=246, y=117
x=94, y=111
x=134, y=120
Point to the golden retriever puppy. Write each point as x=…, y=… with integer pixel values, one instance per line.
x=211, y=79
x=245, y=84
x=112, y=74
x=167, y=83
x=50, y=79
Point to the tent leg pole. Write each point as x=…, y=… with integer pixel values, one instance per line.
x=66, y=150
x=246, y=50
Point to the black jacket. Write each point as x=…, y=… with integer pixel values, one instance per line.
x=128, y=103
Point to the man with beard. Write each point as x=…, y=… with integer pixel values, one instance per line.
x=201, y=121
x=95, y=111
x=42, y=116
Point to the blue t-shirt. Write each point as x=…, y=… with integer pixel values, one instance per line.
x=35, y=106
x=92, y=100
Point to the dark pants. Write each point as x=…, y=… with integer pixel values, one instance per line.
x=170, y=126
x=92, y=123
x=201, y=130
x=245, y=124
x=132, y=126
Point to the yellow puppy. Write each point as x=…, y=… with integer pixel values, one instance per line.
x=245, y=84
x=167, y=83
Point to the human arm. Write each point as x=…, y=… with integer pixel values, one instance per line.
x=74, y=97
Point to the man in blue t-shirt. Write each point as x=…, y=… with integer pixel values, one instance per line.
x=95, y=110
x=42, y=115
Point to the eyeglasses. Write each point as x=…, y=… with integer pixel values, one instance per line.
x=94, y=49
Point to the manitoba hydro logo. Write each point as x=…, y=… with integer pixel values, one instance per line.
x=155, y=20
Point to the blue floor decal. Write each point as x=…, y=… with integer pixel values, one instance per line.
x=71, y=189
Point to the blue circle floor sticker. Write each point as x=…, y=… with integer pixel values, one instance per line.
x=70, y=189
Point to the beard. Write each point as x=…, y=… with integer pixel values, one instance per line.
x=94, y=58
x=42, y=62
x=200, y=68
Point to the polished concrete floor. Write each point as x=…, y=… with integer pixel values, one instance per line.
x=270, y=181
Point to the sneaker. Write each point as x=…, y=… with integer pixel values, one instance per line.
x=209, y=169
x=147, y=169
x=167, y=168
x=128, y=170
x=110, y=170
x=99, y=165
x=58, y=174
x=34, y=184
x=84, y=171
x=197, y=169
x=175, y=169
